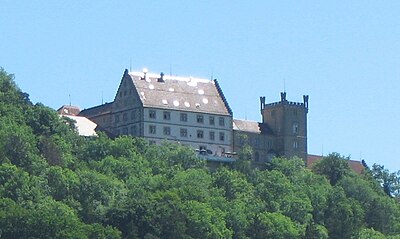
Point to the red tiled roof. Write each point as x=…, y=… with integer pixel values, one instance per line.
x=356, y=166
x=68, y=110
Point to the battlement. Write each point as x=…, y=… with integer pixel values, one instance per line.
x=284, y=101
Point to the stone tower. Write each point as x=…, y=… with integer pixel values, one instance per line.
x=287, y=121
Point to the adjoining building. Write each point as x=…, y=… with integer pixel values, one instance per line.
x=357, y=166
x=282, y=132
x=84, y=126
x=195, y=112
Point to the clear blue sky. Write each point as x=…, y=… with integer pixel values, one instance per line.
x=344, y=54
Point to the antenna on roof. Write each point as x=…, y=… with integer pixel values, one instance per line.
x=130, y=65
x=322, y=150
x=102, y=100
x=69, y=96
x=284, y=85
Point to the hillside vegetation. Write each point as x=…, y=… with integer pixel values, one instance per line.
x=55, y=184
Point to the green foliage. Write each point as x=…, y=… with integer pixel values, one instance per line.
x=55, y=184
x=343, y=216
x=390, y=182
x=334, y=167
x=274, y=225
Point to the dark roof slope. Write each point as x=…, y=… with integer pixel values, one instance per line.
x=97, y=110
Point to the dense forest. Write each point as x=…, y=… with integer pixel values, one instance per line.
x=56, y=184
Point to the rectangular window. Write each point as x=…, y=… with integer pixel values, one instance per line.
x=125, y=117
x=295, y=144
x=184, y=133
x=295, y=128
x=167, y=115
x=125, y=131
x=167, y=130
x=221, y=121
x=184, y=117
x=212, y=135
x=200, y=119
x=269, y=144
x=116, y=118
x=134, y=130
x=212, y=120
x=133, y=115
x=256, y=142
x=221, y=136
x=200, y=134
x=152, y=114
x=152, y=129
x=152, y=142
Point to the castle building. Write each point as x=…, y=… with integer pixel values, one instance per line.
x=195, y=112
x=190, y=111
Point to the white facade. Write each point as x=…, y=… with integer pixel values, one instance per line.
x=209, y=132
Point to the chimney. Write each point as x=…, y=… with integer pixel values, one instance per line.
x=144, y=73
x=161, y=79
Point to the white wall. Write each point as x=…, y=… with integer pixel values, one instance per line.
x=192, y=126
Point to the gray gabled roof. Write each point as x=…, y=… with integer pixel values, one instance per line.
x=180, y=93
x=97, y=110
x=246, y=126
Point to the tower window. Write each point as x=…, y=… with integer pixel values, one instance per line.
x=295, y=128
x=295, y=144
